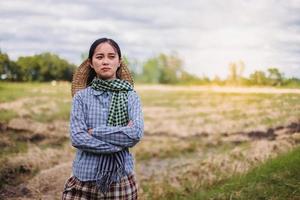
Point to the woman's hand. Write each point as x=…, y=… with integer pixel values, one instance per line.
x=130, y=123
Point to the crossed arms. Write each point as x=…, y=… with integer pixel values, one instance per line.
x=106, y=139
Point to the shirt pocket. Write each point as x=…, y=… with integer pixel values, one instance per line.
x=96, y=115
x=93, y=115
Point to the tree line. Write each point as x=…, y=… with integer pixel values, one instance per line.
x=271, y=77
x=169, y=69
x=159, y=69
x=42, y=67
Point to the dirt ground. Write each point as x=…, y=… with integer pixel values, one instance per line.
x=201, y=152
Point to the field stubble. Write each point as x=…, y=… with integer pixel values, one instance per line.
x=194, y=137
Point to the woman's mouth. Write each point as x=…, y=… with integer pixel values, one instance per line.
x=105, y=69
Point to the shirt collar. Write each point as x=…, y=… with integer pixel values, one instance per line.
x=97, y=92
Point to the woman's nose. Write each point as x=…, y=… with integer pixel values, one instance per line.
x=105, y=61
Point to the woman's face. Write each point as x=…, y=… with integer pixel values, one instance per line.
x=105, y=61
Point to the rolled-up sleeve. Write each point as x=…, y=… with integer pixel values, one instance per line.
x=80, y=137
x=124, y=136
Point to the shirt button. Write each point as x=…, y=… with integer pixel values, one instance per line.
x=105, y=94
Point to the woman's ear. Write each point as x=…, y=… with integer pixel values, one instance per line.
x=120, y=62
x=90, y=63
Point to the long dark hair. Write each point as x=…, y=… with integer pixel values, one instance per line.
x=92, y=72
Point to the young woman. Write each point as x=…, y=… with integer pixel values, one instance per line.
x=106, y=120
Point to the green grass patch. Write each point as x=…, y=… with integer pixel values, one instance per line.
x=13, y=143
x=62, y=112
x=173, y=150
x=277, y=178
x=48, y=118
x=14, y=148
x=11, y=91
x=7, y=115
x=54, y=143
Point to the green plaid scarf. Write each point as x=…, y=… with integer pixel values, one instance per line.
x=118, y=115
x=118, y=107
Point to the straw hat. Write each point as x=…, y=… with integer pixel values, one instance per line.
x=80, y=76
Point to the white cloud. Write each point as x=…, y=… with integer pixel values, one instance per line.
x=206, y=34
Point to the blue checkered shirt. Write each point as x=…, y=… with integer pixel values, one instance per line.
x=90, y=110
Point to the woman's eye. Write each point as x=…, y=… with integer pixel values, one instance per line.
x=99, y=57
x=111, y=57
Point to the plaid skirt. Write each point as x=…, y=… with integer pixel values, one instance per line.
x=75, y=189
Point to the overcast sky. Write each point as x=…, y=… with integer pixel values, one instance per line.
x=206, y=34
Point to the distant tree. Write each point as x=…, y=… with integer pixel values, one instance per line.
x=45, y=67
x=190, y=79
x=166, y=69
x=4, y=66
x=171, y=68
x=236, y=70
x=9, y=70
x=217, y=80
x=232, y=72
x=275, y=77
x=151, y=71
x=292, y=82
x=241, y=70
x=258, y=78
x=135, y=68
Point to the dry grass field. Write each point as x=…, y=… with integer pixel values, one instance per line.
x=195, y=137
